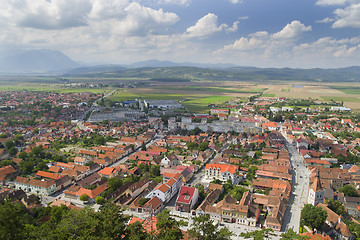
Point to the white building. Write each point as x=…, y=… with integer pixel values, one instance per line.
x=167, y=190
x=316, y=192
x=222, y=172
x=41, y=187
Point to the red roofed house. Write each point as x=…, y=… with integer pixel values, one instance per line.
x=188, y=196
x=222, y=172
x=6, y=172
x=270, y=126
x=108, y=172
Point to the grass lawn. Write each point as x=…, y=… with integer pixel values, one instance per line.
x=285, y=90
x=200, y=105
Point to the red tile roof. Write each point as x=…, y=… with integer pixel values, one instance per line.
x=186, y=194
x=223, y=167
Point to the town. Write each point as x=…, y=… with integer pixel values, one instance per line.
x=269, y=165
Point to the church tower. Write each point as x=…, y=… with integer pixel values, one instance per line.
x=316, y=192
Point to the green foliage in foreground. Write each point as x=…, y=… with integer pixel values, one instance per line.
x=312, y=216
x=61, y=223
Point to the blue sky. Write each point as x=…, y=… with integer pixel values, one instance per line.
x=262, y=33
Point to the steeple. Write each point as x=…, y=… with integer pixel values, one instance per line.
x=316, y=186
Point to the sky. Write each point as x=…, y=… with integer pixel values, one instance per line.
x=261, y=33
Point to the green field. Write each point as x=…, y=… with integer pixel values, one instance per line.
x=341, y=99
x=285, y=90
x=347, y=90
x=268, y=95
x=200, y=105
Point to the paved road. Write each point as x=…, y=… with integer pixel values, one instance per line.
x=300, y=187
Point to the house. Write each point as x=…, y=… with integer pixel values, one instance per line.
x=187, y=198
x=6, y=172
x=167, y=190
x=170, y=159
x=75, y=192
x=222, y=172
x=108, y=172
x=334, y=226
x=154, y=205
x=81, y=160
x=42, y=187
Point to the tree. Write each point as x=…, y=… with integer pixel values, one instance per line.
x=203, y=146
x=111, y=222
x=142, y=201
x=155, y=171
x=13, y=218
x=137, y=232
x=143, y=146
x=168, y=227
x=115, y=183
x=312, y=216
x=278, y=118
x=251, y=173
x=336, y=206
x=84, y=197
x=349, y=190
x=203, y=228
x=100, y=200
x=265, y=233
x=291, y=235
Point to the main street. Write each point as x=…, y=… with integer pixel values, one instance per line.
x=300, y=187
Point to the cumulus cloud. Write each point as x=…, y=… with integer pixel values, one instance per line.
x=327, y=47
x=291, y=30
x=57, y=14
x=264, y=45
x=209, y=25
x=347, y=17
x=325, y=20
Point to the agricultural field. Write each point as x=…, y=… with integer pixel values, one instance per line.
x=349, y=94
x=198, y=95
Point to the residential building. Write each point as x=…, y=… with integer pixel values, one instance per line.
x=42, y=187
x=187, y=198
x=222, y=172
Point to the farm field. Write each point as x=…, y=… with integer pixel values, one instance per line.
x=198, y=95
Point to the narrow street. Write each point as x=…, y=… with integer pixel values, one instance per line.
x=300, y=186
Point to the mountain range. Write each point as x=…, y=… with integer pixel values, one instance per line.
x=50, y=61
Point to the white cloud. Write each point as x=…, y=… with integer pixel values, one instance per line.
x=291, y=30
x=325, y=20
x=57, y=14
x=327, y=47
x=107, y=9
x=333, y=2
x=176, y=2
x=236, y=1
x=347, y=17
x=207, y=26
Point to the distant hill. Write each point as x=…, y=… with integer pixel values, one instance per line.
x=157, y=63
x=35, y=61
x=349, y=74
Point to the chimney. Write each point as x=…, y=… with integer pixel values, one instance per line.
x=339, y=219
